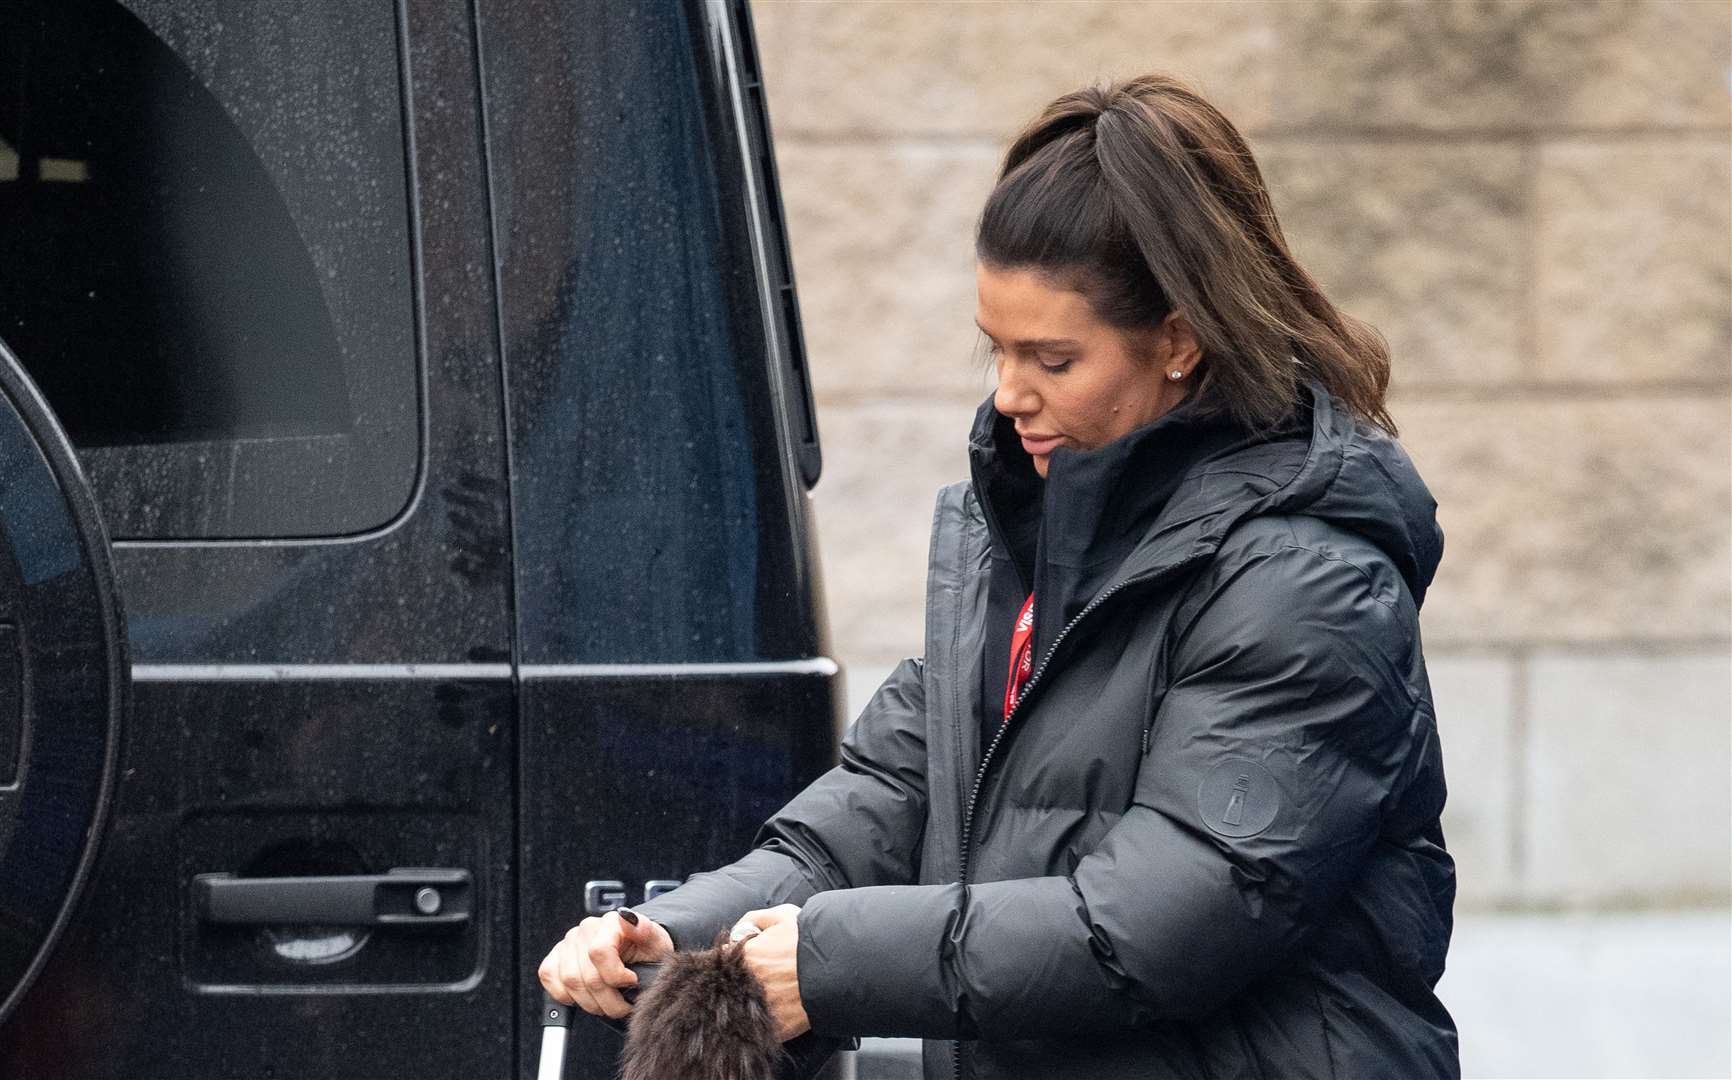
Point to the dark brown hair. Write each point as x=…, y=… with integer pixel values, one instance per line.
x=1141, y=196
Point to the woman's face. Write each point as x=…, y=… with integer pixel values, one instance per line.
x=1066, y=377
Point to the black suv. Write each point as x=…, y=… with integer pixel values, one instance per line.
x=404, y=529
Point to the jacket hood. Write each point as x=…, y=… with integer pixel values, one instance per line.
x=1170, y=491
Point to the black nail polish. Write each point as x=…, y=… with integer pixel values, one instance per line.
x=628, y=915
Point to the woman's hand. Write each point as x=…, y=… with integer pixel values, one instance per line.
x=588, y=967
x=770, y=951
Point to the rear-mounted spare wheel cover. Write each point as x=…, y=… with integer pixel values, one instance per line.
x=63, y=681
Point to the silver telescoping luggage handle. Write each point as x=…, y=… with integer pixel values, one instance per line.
x=555, y=1025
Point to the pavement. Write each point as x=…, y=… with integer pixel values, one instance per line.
x=1645, y=994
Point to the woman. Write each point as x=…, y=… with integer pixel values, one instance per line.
x=1161, y=799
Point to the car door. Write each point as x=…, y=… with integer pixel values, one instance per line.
x=674, y=684
x=244, y=254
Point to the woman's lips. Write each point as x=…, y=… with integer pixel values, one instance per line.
x=1041, y=445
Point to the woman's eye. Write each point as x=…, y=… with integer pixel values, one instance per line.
x=1054, y=365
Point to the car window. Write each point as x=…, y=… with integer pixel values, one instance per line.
x=205, y=257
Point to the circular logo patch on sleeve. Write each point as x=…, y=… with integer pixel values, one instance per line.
x=1238, y=798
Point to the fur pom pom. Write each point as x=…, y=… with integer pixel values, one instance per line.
x=704, y=1018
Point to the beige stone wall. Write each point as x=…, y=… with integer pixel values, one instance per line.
x=1532, y=199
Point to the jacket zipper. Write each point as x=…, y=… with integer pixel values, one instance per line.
x=998, y=737
x=1009, y=720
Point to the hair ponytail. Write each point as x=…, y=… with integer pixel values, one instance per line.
x=1144, y=198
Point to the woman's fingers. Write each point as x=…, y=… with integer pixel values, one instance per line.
x=641, y=938
x=605, y=948
x=549, y=976
x=571, y=968
x=585, y=968
x=580, y=994
x=764, y=918
x=594, y=994
x=559, y=978
x=609, y=969
x=772, y=956
x=589, y=965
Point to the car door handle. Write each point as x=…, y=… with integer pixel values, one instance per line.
x=407, y=896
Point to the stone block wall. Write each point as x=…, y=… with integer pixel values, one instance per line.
x=1531, y=199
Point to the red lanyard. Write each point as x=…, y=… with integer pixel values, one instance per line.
x=1021, y=655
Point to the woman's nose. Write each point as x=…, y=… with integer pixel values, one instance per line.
x=1014, y=397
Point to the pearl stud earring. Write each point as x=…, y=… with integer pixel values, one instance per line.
x=1175, y=375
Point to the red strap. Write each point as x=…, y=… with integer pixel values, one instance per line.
x=1021, y=655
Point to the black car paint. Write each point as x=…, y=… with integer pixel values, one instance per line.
x=404, y=697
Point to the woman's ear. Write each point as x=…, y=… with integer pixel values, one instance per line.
x=1176, y=345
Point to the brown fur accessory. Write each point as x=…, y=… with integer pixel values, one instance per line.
x=703, y=1018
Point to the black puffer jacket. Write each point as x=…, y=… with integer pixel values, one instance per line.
x=1207, y=843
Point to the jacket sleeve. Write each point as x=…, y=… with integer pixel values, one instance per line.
x=859, y=824
x=1286, y=725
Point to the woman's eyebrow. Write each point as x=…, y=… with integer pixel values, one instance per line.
x=1031, y=343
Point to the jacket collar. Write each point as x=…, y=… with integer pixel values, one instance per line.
x=1071, y=534
x=1168, y=493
